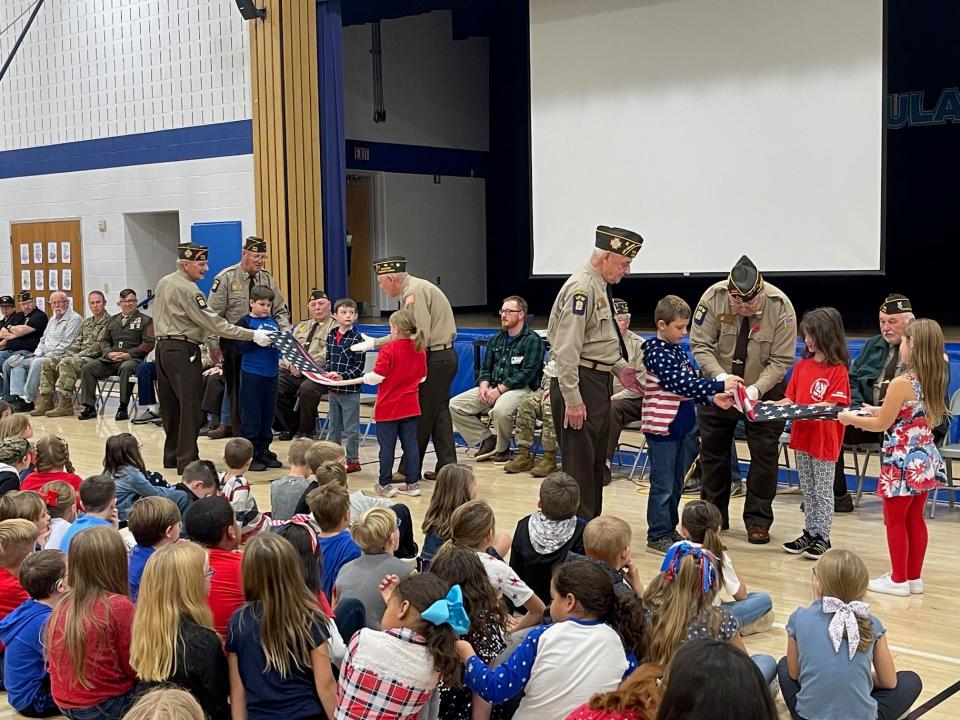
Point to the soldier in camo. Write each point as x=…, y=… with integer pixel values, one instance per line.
x=535, y=406
x=63, y=373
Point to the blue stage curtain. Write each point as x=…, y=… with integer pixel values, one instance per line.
x=333, y=173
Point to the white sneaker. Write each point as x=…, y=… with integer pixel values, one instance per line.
x=388, y=491
x=411, y=489
x=885, y=585
x=916, y=586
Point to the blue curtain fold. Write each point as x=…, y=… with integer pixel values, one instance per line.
x=333, y=173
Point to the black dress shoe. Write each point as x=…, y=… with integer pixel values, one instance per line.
x=121, y=415
x=270, y=462
x=285, y=436
x=257, y=466
x=25, y=406
x=89, y=413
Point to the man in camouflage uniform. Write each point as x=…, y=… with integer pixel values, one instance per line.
x=62, y=373
x=536, y=406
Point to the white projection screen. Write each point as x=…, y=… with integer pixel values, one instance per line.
x=711, y=127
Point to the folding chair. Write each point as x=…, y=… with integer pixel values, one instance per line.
x=949, y=452
x=638, y=450
x=867, y=449
x=105, y=389
x=369, y=361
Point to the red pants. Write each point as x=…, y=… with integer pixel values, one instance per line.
x=906, y=535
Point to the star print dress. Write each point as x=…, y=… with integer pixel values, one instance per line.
x=457, y=703
x=911, y=463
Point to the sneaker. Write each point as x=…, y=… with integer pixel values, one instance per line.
x=692, y=485
x=799, y=545
x=149, y=416
x=886, y=586
x=761, y=624
x=353, y=466
x=916, y=586
x=387, y=491
x=411, y=489
x=487, y=449
x=817, y=548
x=502, y=458
x=660, y=547
x=738, y=489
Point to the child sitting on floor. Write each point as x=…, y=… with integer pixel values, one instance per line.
x=28, y=505
x=455, y=485
x=330, y=505
x=238, y=454
x=154, y=522
x=61, y=500
x=285, y=492
x=18, y=538
x=606, y=543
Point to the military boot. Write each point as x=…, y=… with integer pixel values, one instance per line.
x=44, y=403
x=521, y=463
x=545, y=465
x=64, y=409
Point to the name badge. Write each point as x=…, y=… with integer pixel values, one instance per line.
x=516, y=359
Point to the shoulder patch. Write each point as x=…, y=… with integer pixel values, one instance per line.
x=579, y=303
x=789, y=321
x=201, y=301
x=216, y=284
x=700, y=314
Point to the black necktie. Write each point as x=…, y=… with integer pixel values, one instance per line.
x=623, y=346
x=740, y=351
x=251, y=286
x=313, y=331
x=889, y=371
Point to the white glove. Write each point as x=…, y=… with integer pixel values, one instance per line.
x=722, y=376
x=753, y=393
x=262, y=338
x=363, y=346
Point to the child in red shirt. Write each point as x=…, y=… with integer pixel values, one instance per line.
x=53, y=463
x=820, y=378
x=18, y=538
x=401, y=367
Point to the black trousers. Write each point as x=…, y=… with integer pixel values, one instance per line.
x=231, y=379
x=290, y=389
x=212, y=400
x=434, y=421
x=716, y=437
x=584, y=452
x=180, y=389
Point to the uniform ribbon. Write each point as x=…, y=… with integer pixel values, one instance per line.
x=449, y=611
x=845, y=620
x=705, y=559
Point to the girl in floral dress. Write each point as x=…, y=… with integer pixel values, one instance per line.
x=911, y=465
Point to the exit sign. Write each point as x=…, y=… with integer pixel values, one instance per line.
x=361, y=152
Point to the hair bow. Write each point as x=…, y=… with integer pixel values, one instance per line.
x=845, y=619
x=705, y=559
x=449, y=611
x=51, y=498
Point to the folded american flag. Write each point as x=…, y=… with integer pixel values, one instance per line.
x=295, y=354
x=756, y=411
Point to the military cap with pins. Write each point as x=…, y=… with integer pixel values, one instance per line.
x=24, y=296
x=316, y=294
x=620, y=307
x=896, y=304
x=744, y=282
x=192, y=251
x=394, y=264
x=6, y=300
x=13, y=449
x=619, y=241
x=255, y=244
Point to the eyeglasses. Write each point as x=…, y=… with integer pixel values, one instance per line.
x=507, y=311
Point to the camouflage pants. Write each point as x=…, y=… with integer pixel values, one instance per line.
x=531, y=409
x=65, y=369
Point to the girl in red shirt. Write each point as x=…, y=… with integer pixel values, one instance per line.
x=53, y=463
x=819, y=378
x=401, y=367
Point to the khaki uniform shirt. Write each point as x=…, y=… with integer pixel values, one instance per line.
x=230, y=296
x=771, y=349
x=132, y=335
x=86, y=344
x=634, y=345
x=431, y=308
x=582, y=327
x=181, y=309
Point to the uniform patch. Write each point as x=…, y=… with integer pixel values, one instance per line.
x=700, y=314
x=601, y=303
x=789, y=321
x=216, y=284
x=201, y=301
x=579, y=303
x=236, y=287
x=727, y=319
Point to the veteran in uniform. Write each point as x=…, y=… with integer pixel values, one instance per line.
x=588, y=348
x=182, y=320
x=747, y=328
x=62, y=373
x=292, y=386
x=625, y=405
x=230, y=299
x=436, y=326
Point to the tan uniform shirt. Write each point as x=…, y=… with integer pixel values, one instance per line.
x=181, y=309
x=230, y=296
x=582, y=327
x=87, y=342
x=634, y=345
x=771, y=349
x=432, y=311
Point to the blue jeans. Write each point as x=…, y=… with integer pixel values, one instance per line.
x=387, y=433
x=258, y=404
x=666, y=484
x=146, y=377
x=767, y=665
x=344, y=415
x=753, y=607
x=110, y=709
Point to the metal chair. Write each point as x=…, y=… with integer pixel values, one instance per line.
x=638, y=450
x=949, y=452
x=867, y=449
x=784, y=444
x=369, y=361
x=106, y=387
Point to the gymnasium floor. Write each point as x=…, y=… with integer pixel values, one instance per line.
x=921, y=634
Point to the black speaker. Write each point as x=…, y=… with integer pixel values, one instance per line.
x=250, y=11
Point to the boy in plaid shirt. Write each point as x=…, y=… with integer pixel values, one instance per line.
x=342, y=364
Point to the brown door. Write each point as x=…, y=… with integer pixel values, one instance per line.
x=360, y=273
x=46, y=258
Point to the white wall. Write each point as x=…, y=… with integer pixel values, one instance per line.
x=208, y=190
x=151, y=247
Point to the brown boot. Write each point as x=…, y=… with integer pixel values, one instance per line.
x=521, y=463
x=545, y=465
x=224, y=431
x=64, y=409
x=44, y=403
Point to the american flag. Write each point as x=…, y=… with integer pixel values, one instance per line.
x=295, y=354
x=755, y=411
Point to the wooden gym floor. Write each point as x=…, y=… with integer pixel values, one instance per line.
x=922, y=633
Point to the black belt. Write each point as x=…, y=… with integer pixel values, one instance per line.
x=181, y=338
x=438, y=348
x=596, y=365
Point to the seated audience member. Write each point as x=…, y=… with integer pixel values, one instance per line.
x=637, y=698
x=15, y=457
x=285, y=492
x=123, y=462
x=376, y=534
x=511, y=369
x=7, y=310
x=320, y=452
x=22, y=380
x=22, y=332
x=168, y=703
x=52, y=458
x=27, y=680
x=211, y=522
x=153, y=522
x=199, y=480
x=16, y=425
x=61, y=501
x=473, y=525
x=27, y=505
x=238, y=455
x=126, y=340
x=88, y=634
x=146, y=392
x=330, y=506
x=98, y=500
x=5, y=409
x=543, y=540
x=838, y=661
x=455, y=485
x=606, y=543
x=593, y=641
x=173, y=641
x=277, y=647
x=534, y=407
x=714, y=679
x=18, y=539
